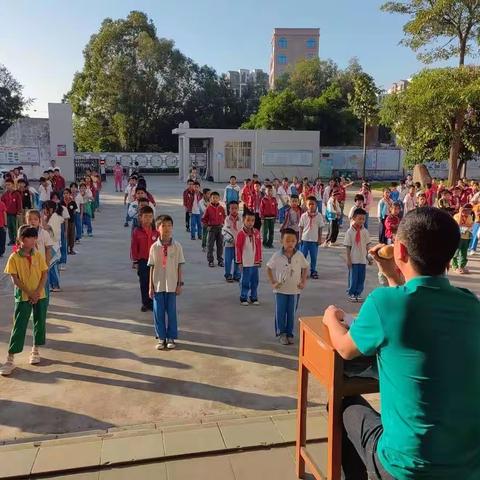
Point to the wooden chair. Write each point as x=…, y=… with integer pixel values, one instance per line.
x=318, y=357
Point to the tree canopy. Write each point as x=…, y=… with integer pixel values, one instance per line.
x=437, y=117
x=439, y=29
x=12, y=101
x=313, y=96
x=135, y=87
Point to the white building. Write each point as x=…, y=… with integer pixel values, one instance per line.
x=34, y=142
x=268, y=153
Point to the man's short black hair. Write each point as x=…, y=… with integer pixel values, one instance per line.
x=233, y=176
x=294, y=195
x=162, y=219
x=190, y=181
x=196, y=183
x=311, y=198
x=289, y=231
x=248, y=213
x=359, y=196
x=205, y=190
x=358, y=211
x=431, y=237
x=140, y=189
x=232, y=202
x=214, y=193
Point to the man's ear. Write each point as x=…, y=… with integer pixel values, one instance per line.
x=403, y=252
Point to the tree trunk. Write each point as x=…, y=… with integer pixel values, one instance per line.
x=364, y=163
x=463, y=49
x=455, y=146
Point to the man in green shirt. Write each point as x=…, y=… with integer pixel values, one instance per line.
x=426, y=336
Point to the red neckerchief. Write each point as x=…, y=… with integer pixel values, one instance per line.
x=357, y=233
x=165, y=252
x=310, y=219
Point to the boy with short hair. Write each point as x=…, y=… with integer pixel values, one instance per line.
x=71, y=207
x=143, y=238
x=231, y=193
x=422, y=200
x=392, y=222
x=233, y=224
x=358, y=202
x=166, y=260
x=195, y=215
x=268, y=214
x=287, y=272
x=444, y=201
x=311, y=225
x=465, y=224
x=188, y=194
x=255, y=200
x=28, y=271
x=410, y=201
x=44, y=191
x=357, y=241
x=248, y=252
x=204, y=203
x=292, y=214
x=283, y=193
x=213, y=219
x=13, y=203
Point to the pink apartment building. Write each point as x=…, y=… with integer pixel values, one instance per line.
x=289, y=46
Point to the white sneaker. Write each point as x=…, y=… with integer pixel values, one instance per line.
x=7, y=368
x=283, y=339
x=171, y=344
x=245, y=303
x=359, y=299
x=62, y=267
x=160, y=345
x=34, y=358
x=290, y=340
x=352, y=298
x=471, y=252
x=255, y=302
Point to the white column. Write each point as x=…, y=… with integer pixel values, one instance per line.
x=186, y=157
x=180, y=157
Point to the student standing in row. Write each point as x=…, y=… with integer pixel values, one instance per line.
x=233, y=224
x=3, y=224
x=357, y=241
x=143, y=238
x=383, y=209
x=311, y=225
x=195, y=216
x=248, y=251
x=28, y=271
x=333, y=215
x=13, y=203
x=165, y=261
x=268, y=214
x=213, y=219
x=287, y=272
x=231, y=193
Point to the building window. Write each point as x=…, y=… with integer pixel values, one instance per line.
x=238, y=154
x=282, y=59
x=310, y=55
x=282, y=42
x=311, y=43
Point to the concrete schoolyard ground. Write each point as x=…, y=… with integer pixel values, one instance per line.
x=100, y=368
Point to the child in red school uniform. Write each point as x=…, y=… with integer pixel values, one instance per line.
x=213, y=219
x=255, y=200
x=392, y=221
x=268, y=214
x=248, y=251
x=195, y=213
x=118, y=176
x=188, y=194
x=143, y=237
x=13, y=203
x=3, y=224
x=246, y=193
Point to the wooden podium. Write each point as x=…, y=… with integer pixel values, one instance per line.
x=317, y=356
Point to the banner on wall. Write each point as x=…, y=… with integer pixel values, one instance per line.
x=12, y=155
x=61, y=150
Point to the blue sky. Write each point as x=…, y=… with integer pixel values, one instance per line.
x=41, y=41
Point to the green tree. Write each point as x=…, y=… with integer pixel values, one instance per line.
x=12, y=101
x=442, y=28
x=437, y=117
x=364, y=103
x=132, y=88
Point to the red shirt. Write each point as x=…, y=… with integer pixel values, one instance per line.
x=3, y=209
x=430, y=193
x=12, y=201
x=58, y=183
x=391, y=225
x=142, y=240
x=214, y=215
x=268, y=207
x=254, y=201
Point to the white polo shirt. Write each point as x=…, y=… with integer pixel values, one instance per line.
x=287, y=271
x=165, y=269
x=358, y=251
x=43, y=242
x=310, y=226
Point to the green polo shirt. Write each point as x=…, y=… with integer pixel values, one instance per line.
x=426, y=335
